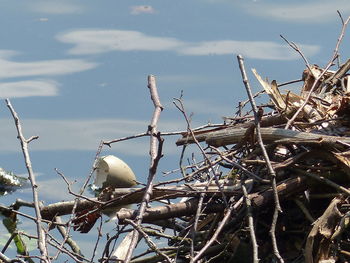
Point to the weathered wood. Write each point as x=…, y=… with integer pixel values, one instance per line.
x=235, y=135
x=127, y=196
x=189, y=207
x=201, y=135
x=332, y=80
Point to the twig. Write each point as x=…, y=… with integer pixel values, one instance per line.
x=54, y=243
x=181, y=108
x=170, y=133
x=195, y=223
x=99, y=235
x=81, y=191
x=318, y=78
x=67, y=239
x=149, y=241
x=324, y=180
x=74, y=194
x=232, y=207
x=251, y=224
x=289, y=82
x=66, y=230
x=24, y=144
x=155, y=154
x=297, y=49
x=306, y=212
x=238, y=166
x=108, y=143
x=272, y=173
x=5, y=259
x=242, y=104
x=210, y=162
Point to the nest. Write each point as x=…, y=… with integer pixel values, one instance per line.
x=292, y=167
x=270, y=184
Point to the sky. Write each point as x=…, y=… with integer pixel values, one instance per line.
x=76, y=72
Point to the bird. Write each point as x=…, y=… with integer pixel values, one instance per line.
x=110, y=172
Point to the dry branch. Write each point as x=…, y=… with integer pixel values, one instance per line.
x=127, y=196
x=156, y=143
x=235, y=135
x=24, y=143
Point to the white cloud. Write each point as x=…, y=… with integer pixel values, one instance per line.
x=83, y=135
x=10, y=69
x=43, y=19
x=58, y=7
x=316, y=12
x=6, y=53
x=142, y=9
x=100, y=41
x=28, y=88
x=251, y=49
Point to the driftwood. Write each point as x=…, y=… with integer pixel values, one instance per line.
x=234, y=135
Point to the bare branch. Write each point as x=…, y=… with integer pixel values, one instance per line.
x=272, y=173
x=24, y=144
x=156, y=143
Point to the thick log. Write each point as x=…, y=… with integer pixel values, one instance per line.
x=235, y=135
x=127, y=196
x=259, y=200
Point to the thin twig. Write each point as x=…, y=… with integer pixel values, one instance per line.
x=66, y=239
x=81, y=191
x=240, y=167
x=266, y=157
x=297, y=49
x=156, y=145
x=324, y=180
x=251, y=224
x=6, y=259
x=25, y=151
x=230, y=209
x=318, y=78
x=181, y=108
x=149, y=241
x=99, y=235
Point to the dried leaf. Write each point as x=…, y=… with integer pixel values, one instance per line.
x=85, y=220
x=272, y=91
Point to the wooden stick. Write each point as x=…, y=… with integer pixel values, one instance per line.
x=235, y=135
x=156, y=144
x=125, y=196
x=28, y=163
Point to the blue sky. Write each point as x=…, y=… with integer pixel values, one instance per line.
x=76, y=71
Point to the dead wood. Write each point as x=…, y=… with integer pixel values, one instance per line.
x=254, y=188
